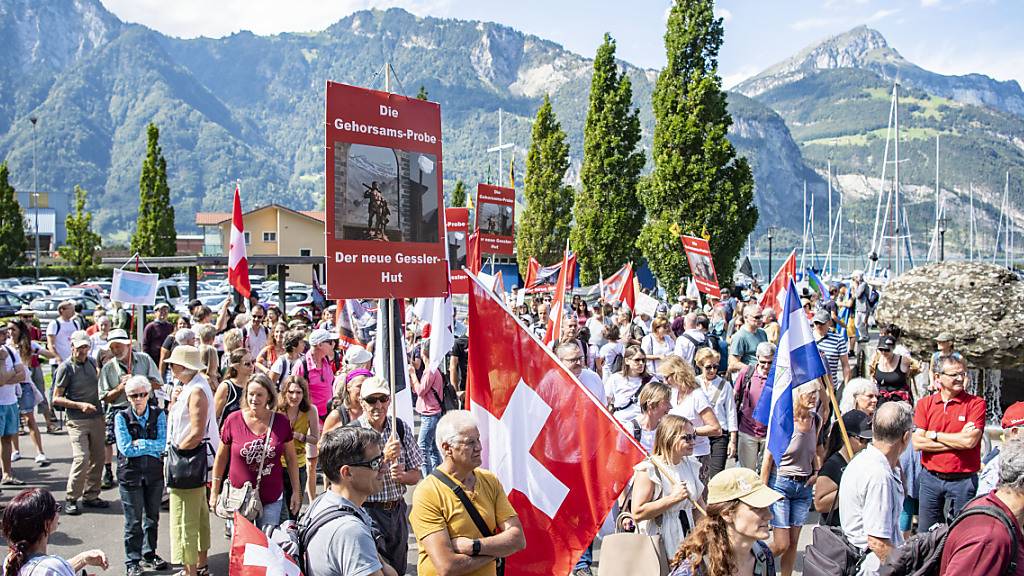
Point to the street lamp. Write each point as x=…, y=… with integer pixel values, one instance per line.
x=942, y=239
x=771, y=270
x=35, y=191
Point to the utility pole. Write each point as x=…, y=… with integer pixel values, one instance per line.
x=500, y=148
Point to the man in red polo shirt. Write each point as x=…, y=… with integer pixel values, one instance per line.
x=982, y=544
x=949, y=424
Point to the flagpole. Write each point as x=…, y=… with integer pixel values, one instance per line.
x=391, y=362
x=830, y=391
x=672, y=476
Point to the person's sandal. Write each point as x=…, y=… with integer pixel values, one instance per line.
x=203, y=570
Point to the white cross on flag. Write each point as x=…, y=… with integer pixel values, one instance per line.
x=238, y=265
x=253, y=554
x=561, y=457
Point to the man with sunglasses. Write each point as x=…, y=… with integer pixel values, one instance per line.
x=344, y=543
x=255, y=335
x=402, y=460
x=747, y=389
x=141, y=433
x=950, y=424
x=113, y=377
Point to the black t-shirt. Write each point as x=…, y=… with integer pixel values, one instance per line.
x=833, y=470
x=460, y=351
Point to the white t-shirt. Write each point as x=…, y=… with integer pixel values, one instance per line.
x=725, y=404
x=9, y=392
x=621, y=391
x=608, y=353
x=652, y=347
x=870, y=501
x=690, y=408
x=62, y=331
x=592, y=381
x=255, y=341
x=596, y=327
x=46, y=566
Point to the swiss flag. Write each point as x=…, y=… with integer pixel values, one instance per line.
x=238, y=265
x=561, y=457
x=253, y=554
x=619, y=287
x=775, y=294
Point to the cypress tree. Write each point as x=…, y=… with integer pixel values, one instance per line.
x=154, y=232
x=422, y=94
x=82, y=242
x=458, y=198
x=544, y=224
x=13, y=242
x=699, y=186
x=607, y=211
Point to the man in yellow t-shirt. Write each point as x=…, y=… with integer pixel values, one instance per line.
x=448, y=538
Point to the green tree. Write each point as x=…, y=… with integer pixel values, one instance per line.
x=544, y=224
x=607, y=211
x=13, y=242
x=82, y=242
x=154, y=231
x=458, y=198
x=422, y=94
x=699, y=186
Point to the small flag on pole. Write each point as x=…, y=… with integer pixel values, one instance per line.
x=238, y=265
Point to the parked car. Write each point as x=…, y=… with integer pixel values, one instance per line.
x=10, y=303
x=80, y=290
x=30, y=294
x=54, y=285
x=8, y=283
x=46, y=308
x=213, y=300
x=294, y=299
x=169, y=292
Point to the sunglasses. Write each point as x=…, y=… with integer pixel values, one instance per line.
x=710, y=367
x=377, y=400
x=373, y=464
x=691, y=438
x=138, y=395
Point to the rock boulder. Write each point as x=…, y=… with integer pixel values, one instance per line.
x=982, y=305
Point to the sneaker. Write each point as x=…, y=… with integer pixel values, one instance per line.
x=96, y=503
x=42, y=461
x=155, y=562
x=134, y=570
x=108, y=480
x=71, y=508
x=15, y=456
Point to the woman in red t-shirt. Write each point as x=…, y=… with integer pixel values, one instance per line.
x=244, y=440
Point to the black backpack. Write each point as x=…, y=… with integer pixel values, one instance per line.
x=308, y=527
x=921, y=555
x=831, y=554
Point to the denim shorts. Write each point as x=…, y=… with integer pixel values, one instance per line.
x=791, y=510
x=10, y=419
x=27, y=400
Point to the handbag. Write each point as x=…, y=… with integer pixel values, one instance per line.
x=186, y=468
x=629, y=553
x=245, y=499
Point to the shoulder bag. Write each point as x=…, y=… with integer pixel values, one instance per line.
x=245, y=499
x=474, y=514
x=186, y=468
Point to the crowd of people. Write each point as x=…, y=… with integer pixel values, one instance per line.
x=245, y=410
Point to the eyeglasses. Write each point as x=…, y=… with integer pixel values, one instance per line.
x=247, y=364
x=377, y=400
x=709, y=367
x=765, y=362
x=260, y=317
x=373, y=464
x=573, y=360
x=956, y=375
x=691, y=438
x=138, y=395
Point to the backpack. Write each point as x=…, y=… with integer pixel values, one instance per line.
x=706, y=343
x=449, y=398
x=831, y=554
x=921, y=555
x=616, y=363
x=295, y=538
x=873, y=298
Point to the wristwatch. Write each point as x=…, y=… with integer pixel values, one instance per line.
x=476, y=548
x=932, y=435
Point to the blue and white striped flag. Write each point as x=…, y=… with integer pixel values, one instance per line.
x=797, y=362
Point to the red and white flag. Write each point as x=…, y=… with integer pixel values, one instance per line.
x=562, y=284
x=561, y=457
x=473, y=256
x=253, y=554
x=532, y=267
x=619, y=287
x=775, y=294
x=238, y=265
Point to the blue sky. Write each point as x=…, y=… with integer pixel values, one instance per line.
x=946, y=36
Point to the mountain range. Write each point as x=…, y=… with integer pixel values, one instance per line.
x=250, y=108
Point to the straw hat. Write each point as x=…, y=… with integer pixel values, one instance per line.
x=187, y=357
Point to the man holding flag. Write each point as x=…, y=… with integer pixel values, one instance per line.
x=787, y=407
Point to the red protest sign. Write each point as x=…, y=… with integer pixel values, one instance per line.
x=698, y=254
x=495, y=218
x=384, y=195
x=457, y=225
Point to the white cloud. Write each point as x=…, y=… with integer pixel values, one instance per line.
x=930, y=3
x=192, y=18
x=881, y=15
x=843, y=3
x=724, y=14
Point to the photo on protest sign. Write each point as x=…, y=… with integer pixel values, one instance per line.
x=457, y=225
x=698, y=255
x=495, y=218
x=383, y=195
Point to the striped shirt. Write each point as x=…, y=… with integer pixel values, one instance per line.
x=411, y=458
x=832, y=347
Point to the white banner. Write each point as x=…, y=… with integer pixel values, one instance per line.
x=134, y=287
x=645, y=305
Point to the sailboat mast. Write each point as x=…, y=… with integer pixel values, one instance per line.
x=896, y=180
x=828, y=258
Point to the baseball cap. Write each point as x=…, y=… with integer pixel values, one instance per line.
x=858, y=423
x=357, y=355
x=374, y=385
x=821, y=316
x=944, y=337
x=162, y=305
x=741, y=484
x=886, y=343
x=320, y=336
x=79, y=338
x=1013, y=416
